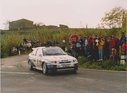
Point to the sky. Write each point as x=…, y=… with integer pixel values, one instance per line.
x=74, y=13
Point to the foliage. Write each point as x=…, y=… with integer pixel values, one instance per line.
x=116, y=18
x=8, y=41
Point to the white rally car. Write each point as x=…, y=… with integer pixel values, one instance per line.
x=51, y=59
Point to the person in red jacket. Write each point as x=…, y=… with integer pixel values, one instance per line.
x=112, y=43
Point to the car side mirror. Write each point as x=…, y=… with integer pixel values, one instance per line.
x=66, y=53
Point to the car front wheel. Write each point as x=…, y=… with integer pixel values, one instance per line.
x=75, y=71
x=44, y=69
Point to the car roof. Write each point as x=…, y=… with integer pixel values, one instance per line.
x=49, y=47
x=45, y=47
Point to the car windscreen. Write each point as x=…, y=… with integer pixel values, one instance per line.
x=53, y=51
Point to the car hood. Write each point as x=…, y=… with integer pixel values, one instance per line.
x=59, y=58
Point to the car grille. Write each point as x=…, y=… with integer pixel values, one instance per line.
x=65, y=62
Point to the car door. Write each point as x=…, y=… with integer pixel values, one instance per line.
x=32, y=56
x=38, y=58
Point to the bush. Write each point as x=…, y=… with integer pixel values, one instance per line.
x=120, y=68
x=106, y=65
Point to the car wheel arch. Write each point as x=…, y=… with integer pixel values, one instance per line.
x=44, y=68
x=31, y=64
x=42, y=63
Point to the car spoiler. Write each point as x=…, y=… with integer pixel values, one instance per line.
x=34, y=48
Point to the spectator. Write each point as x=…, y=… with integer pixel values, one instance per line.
x=123, y=42
x=106, y=49
x=90, y=47
x=112, y=43
x=73, y=49
x=63, y=45
x=25, y=40
x=123, y=38
x=100, y=48
x=114, y=58
x=85, y=44
x=95, y=48
x=78, y=47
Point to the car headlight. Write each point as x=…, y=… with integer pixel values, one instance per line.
x=74, y=60
x=51, y=63
x=54, y=62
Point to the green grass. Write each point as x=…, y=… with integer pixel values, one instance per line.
x=105, y=65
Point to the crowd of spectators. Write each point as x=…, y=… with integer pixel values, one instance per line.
x=94, y=48
x=99, y=48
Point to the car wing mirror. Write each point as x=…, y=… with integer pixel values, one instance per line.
x=66, y=53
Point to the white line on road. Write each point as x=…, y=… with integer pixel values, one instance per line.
x=4, y=72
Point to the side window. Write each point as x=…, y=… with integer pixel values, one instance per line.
x=39, y=52
x=34, y=52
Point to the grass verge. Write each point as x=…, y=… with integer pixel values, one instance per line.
x=105, y=65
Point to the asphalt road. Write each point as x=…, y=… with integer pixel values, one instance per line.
x=17, y=78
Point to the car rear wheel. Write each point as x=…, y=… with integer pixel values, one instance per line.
x=30, y=65
x=44, y=69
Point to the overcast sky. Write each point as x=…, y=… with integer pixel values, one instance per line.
x=74, y=13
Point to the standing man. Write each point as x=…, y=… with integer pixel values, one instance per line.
x=100, y=48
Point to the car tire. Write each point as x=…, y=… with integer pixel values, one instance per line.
x=44, y=69
x=30, y=65
x=75, y=71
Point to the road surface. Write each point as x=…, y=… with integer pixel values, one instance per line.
x=17, y=78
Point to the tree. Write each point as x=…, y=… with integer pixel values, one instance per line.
x=63, y=26
x=116, y=18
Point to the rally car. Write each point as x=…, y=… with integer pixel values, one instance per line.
x=51, y=60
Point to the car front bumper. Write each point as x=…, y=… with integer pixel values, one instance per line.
x=55, y=68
